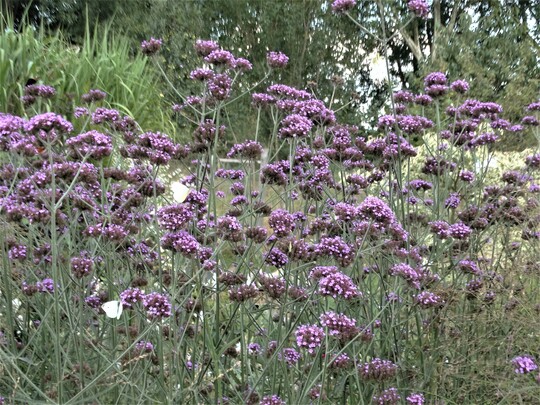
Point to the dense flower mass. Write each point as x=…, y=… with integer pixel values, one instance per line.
x=345, y=242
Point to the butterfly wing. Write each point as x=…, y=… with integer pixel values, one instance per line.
x=113, y=309
x=180, y=191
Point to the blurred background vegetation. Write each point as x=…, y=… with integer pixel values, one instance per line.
x=494, y=44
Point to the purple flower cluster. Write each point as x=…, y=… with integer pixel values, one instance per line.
x=389, y=396
x=342, y=6
x=93, y=96
x=130, y=297
x=295, y=126
x=289, y=356
x=418, y=7
x=33, y=91
x=276, y=257
x=337, y=284
x=151, y=47
x=17, y=252
x=157, y=305
x=82, y=266
x=182, y=242
x=427, y=299
x=281, y=222
x=249, y=150
x=378, y=370
x=277, y=60
x=309, y=337
x=92, y=144
x=272, y=400
x=340, y=326
x=243, y=292
x=524, y=364
x=415, y=399
x=175, y=217
x=158, y=148
x=143, y=347
x=275, y=287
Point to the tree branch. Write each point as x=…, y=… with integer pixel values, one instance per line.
x=413, y=46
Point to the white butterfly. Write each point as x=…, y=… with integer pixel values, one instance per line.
x=113, y=309
x=180, y=191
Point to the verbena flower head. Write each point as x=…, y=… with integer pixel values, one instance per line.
x=205, y=47
x=342, y=6
x=275, y=287
x=403, y=96
x=151, y=47
x=17, y=252
x=39, y=90
x=282, y=222
x=337, y=285
x=337, y=248
x=93, y=95
x=460, y=86
x=220, y=57
x=219, y=86
x=530, y=121
x=276, y=258
x=524, y=364
x=101, y=115
x=374, y=209
x=427, y=299
x=250, y=150
x=418, y=7
x=48, y=122
x=341, y=361
x=272, y=400
x=415, y=399
x=295, y=126
x=309, y=337
x=242, y=65
x=144, y=347
x=181, y=242
x=389, y=396
x=130, y=297
x=175, y=217
x=201, y=74
x=340, y=326
x=82, y=266
x=243, y=292
x=277, y=60
x=534, y=106
x=91, y=144
x=435, y=78
x=378, y=370
x=423, y=99
x=157, y=305
x=289, y=356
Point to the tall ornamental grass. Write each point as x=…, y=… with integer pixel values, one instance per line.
x=344, y=270
x=103, y=60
